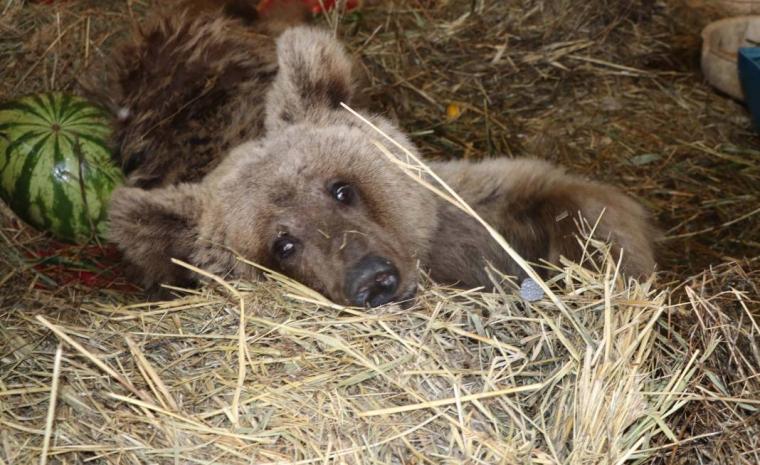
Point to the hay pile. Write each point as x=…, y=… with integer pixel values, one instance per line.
x=620, y=372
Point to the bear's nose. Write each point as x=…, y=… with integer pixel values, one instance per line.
x=373, y=281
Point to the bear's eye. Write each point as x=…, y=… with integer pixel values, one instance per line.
x=284, y=247
x=343, y=192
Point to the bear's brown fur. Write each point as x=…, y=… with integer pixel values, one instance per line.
x=190, y=86
x=282, y=201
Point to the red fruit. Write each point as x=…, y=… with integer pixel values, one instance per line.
x=314, y=5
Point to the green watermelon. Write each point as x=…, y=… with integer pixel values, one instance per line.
x=56, y=171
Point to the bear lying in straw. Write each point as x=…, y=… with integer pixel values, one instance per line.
x=315, y=199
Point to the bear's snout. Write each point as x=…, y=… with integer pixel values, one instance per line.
x=373, y=281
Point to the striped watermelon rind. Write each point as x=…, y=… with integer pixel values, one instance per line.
x=56, y=171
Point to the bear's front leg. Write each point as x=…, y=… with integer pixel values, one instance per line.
x=539, y=209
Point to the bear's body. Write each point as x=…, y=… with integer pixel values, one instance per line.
x=315, y=199
x=190, y=86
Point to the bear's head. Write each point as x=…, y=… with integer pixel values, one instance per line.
x=314, y=199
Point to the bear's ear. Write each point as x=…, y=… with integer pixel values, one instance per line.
x=315, y=74
x=151, y=227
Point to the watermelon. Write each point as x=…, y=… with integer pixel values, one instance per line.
x=56, y=171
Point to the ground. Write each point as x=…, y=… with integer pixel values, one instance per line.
x=610, y=88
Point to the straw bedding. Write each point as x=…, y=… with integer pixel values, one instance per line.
x=666, y=371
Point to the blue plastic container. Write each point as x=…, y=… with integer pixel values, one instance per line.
x=749, y=74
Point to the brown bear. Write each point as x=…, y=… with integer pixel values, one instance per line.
x=316, y=200
x=190, y=85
